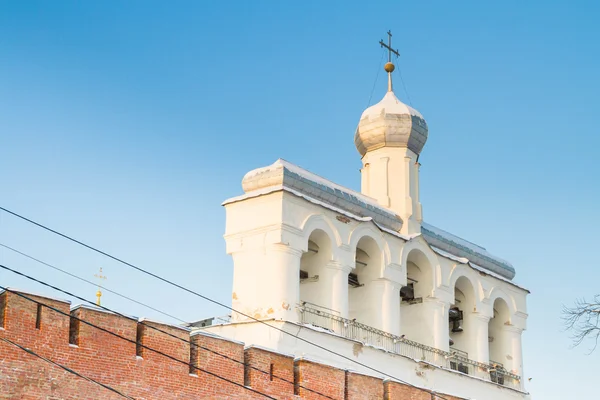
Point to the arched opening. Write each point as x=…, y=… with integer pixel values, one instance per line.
x=361, y=293
x=314, y=286
x=463, y=337
x=500, y=346
x=415, y=322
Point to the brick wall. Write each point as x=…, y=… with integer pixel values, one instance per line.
x=363, y=387
x=144, y=374
x=269, y=372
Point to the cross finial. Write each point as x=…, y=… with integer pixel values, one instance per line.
x=99, y=276
x=389, y=66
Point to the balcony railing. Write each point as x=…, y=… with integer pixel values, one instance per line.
x=497, y=372
x=455, y=359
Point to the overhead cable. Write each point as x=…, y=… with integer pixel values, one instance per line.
x=69, y=370
x=162, y=331
x=135, y=342
x=160, y=278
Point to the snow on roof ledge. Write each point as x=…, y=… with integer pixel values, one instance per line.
x=490, y=273
x=265, y=191
x=476, y=267
x=452, y=257
x=460, y=247
x=291, y=177
x=285, y=176
x=249, y=183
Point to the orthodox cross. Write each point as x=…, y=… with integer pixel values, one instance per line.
x=389, y=47
x=389, y=66
x=99, y=276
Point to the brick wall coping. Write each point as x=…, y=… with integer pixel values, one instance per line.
x=349, y=370
x=214, y=336
x=101, y=310
x=152, y=321
x=254, y=346
x=26, y=292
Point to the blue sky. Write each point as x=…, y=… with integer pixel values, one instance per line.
x=126, y=124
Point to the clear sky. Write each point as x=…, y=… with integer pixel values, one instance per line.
x=126, y=124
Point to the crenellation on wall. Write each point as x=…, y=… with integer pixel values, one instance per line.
x=398, y=391
x=112, y=361
x=29, y=318
x=360, y=386
x=318, y=378
x=167, y=339
x=269, y=372
x=219, y=356
x=103, y=342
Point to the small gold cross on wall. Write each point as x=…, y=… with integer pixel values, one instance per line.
x=100, y=277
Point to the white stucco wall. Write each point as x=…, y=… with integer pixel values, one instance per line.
x=268, y=238
x=390, y=175
x=391, y=365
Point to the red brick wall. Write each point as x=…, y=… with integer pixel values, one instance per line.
x=210, y=350
x=114, y=362
x=397, y=391
x=269, y=372
x=319, y=378
x=363, y=387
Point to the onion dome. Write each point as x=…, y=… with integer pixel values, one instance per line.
x=390, y=123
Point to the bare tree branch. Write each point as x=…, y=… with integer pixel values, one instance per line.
x=583, y=320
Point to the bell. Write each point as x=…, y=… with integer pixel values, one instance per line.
x=457, y=326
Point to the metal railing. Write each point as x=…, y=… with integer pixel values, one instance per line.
x=498, y=373
x=455, y=359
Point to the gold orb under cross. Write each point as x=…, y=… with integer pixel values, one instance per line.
x=389, y=67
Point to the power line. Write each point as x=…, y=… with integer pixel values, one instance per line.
x=215, y=301
x=403, y=85
x=91, y=283
x=69, y=370
x=160, y=330
x=376, y=77
x=134, y=342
